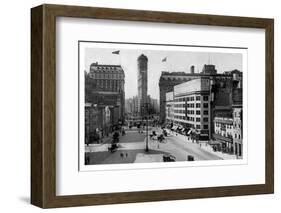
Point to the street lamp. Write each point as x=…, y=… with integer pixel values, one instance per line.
x=145, y=109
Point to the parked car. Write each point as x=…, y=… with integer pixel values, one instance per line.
x=169, y=158
x=113, y=147
x=190, y=158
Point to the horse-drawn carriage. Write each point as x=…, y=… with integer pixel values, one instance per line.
x=159, y=137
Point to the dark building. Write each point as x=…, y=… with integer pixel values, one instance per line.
x=226, y=89
x=142, y=83
x=238, y=130
x=227, y=112
x=152, y=105
x=104, y=89
x=209, y=69
x=237, y=110
x=91, y=122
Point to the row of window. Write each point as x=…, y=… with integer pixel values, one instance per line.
x=227, y=134
x=109, y=84
x=191, y=112
x=106, y=76
x=185, y=118
x=236, y=125
x=227, y=126
x=197, y=98
x=180, y=117
x=197, y=105
x=105, y=68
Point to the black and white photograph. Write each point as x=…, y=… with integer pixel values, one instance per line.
x=157, y=103
x=142, y=105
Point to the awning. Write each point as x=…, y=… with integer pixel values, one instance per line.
x=222, y=139
x=174, y=127
x=180, y=127
x=215, y=143
x=183, y=129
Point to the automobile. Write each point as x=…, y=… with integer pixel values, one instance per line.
x=166, y=132
x=153, y=136
x=113, y=147
x=190, y=158
x=169, y=158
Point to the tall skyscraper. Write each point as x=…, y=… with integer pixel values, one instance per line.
x=142, y=83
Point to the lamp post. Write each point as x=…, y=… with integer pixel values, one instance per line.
x=145, y=109
x=89, y=127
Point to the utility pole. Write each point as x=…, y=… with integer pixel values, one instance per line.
x=145, y=107
x=146, y=147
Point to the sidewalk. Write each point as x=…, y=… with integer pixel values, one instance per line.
x=95, y=146
x=205, y=147
x=225, y=156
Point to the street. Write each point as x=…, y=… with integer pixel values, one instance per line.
x=131, y=149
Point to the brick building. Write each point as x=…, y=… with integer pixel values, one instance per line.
x=104, y=88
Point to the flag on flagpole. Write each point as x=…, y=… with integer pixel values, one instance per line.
x=116, y=52
x=164, y=59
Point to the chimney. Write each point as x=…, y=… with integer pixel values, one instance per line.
x=192, y=69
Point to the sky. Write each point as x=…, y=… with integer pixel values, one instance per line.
x=177, y=61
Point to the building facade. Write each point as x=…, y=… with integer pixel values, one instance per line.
x=238, y=131
x=229, y=131
x=166, y=84
x=155, y=106
x=152, y=105
x=104, y=88
x=224, y=133
x=91, y=122
x=208, y=102
x=170, y=107
x=131, y=106
x=142, y=83
x=192, y=106
x=223, y=88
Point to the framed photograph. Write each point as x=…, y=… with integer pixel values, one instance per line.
x=136, y=106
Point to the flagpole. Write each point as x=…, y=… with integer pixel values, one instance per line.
x=117, y=52
x=164, y=60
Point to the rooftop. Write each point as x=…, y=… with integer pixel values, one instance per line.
x=96, y=64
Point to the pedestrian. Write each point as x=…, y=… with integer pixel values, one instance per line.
x=126, y=154
x=100, y=135
x=121, y=155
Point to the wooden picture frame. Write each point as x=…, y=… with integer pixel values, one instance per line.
x=43, y=105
